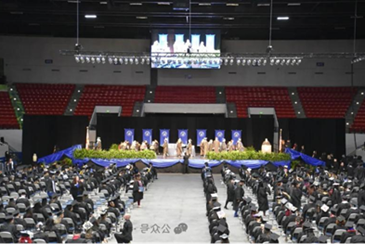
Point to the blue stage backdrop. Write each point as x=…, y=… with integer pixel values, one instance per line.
x=183, y=135
x=219, y=134
x=200, y=135
x=129, y=135
x=236, y=134
x=147, y=135
x=164, y=133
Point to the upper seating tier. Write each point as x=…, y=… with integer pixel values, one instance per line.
x=7, y=115
x=185, y=94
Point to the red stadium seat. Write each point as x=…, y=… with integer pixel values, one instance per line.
x=7, y=115
x=184, y=94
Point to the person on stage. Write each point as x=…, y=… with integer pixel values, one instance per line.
x=240, y=146
x=210, y=145
x=138, y=189
x=189, y=148
x=98, y=144
x=179, y=148
x=230, y=146
x=143, y=146
x=223, y=145
x=202, y=154
x=165, y=147
x=206, y=146
x=216, y=145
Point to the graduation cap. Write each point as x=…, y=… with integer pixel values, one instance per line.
x=284, y=201
x=270, y=167
x=319, y=203
x=221, y=228
x=24, y=233
x=216, y=206
x=307, y=225
x=341, y=218
x=247, y=199
x=214, y=195
x=362, y=208
x=241, y=180
x=322, y=239
x=86, y=193
x=324, y=208
x=312, y=199
x=353, y=201
x=279, y=180
x=361, y=230
x=336, y=184
x=274, y=238
x=224, y=236
x=87, y=226
x=268, y=226
x=55, y=195
x=9, y=217
x=349, y=225
x=253, y=208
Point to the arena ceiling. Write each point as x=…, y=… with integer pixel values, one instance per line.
x=238, y=19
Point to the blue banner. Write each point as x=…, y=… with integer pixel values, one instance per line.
x=200, y=135
x=147, y=135
x=307, y=159
x=183, y=135
x=164, y=134
x=236, y=134
x=129, y=135
x=219, y=134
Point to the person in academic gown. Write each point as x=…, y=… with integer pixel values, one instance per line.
x=126, y=236
x=179, y=148
x=262, y=197
x=202, y=148
x=189, y=148
x=216, y=145
x=210, y=145
x=361, y=195
x=165, y=147
x=296, y=195
x=138, y=189
x=230, y=146
x=230, y=192
x=98, y=144
x=239, y=193
x=240, y=146
x=206, y=146
x=350, y=232
x=223, y=145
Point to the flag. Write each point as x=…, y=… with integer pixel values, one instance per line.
x=129, y=135
x=164, y=134
x=200, y=135
x=236, y=134
x=147, y=135
x=219, y=134
x=183, y=135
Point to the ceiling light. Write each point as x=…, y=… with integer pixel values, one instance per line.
x=77, y=59
x=82, y=60
x=92, y=59
x=163, y=3
x=135, y=4
x=228, y=18
x=362, y=93
x=87, y=59
x=126, y=61
x=90, y=16
x=104, y=2
x=238, y=61
x=131, y=60
x=243, y=62
x=115, y=61
x=205, y=4
x=294, y=4
x=298, y=112
x=263, y=5
x=73, y=1
x=232, y=5
x=136, y=61
x=110, y=60
x=249, y=62
x=283, y=18
x=98, y=60
x=272, y=61
x=141, y=17
x=120, y=60
x=148, y=61
x=16, y=12
x=103, y=60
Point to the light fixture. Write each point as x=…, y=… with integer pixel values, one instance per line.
x=249, y=62
x=82, y=59
x=87, y=59
x=362, y=93
x=294, y=4
x=296, y=102
x=243, y=62
x=98, y=60
x=90, y=16
x=131, y=60
x=115, y=61
x=283, y=18
x=232, y=4
x=121, y=60
x=231, y=61
x=103, y=60
x=135, y=4
x=125, y=60
x=205, y=4
x=299, y=112
x=163, y=3
x=110, y=60
x=263, y=5
x=103, y=2
x=77, y=59
x=141, y=17
x=238, y=61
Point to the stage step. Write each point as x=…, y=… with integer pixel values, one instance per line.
x=296, y=103
x=354, y=108
x=220, y=94
x=17, y=104
x=72, y=104
x=231, y=110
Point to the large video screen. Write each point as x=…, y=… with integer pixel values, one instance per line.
x=181, y=49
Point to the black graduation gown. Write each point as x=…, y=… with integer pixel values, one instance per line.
x=230, y=192
x=137, y=195
x=336, y=196
x=346, y=235
x=262, y=199
x=126, y=235
x=239, y=193
x=296, y=196
x=361, y=198
x=357, y=239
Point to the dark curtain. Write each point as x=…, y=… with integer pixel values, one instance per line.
x=254, y=131
x=42, y=132
x=321, y=135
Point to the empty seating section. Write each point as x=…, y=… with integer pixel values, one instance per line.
x=184, y=94
x=359, y=122
x=271, y=97
x=326, y=102
x=109, y=95
x=50, y=99
x=7, y=115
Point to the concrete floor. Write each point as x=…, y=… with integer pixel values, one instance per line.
x=174, y=199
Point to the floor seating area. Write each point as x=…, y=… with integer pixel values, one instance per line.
x=245, y=97
x=7, y=115
x=109, y=95
x=185, y=94
x=326, y=102
x=41, y=99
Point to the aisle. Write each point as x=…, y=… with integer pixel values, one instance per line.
x=172, y=200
